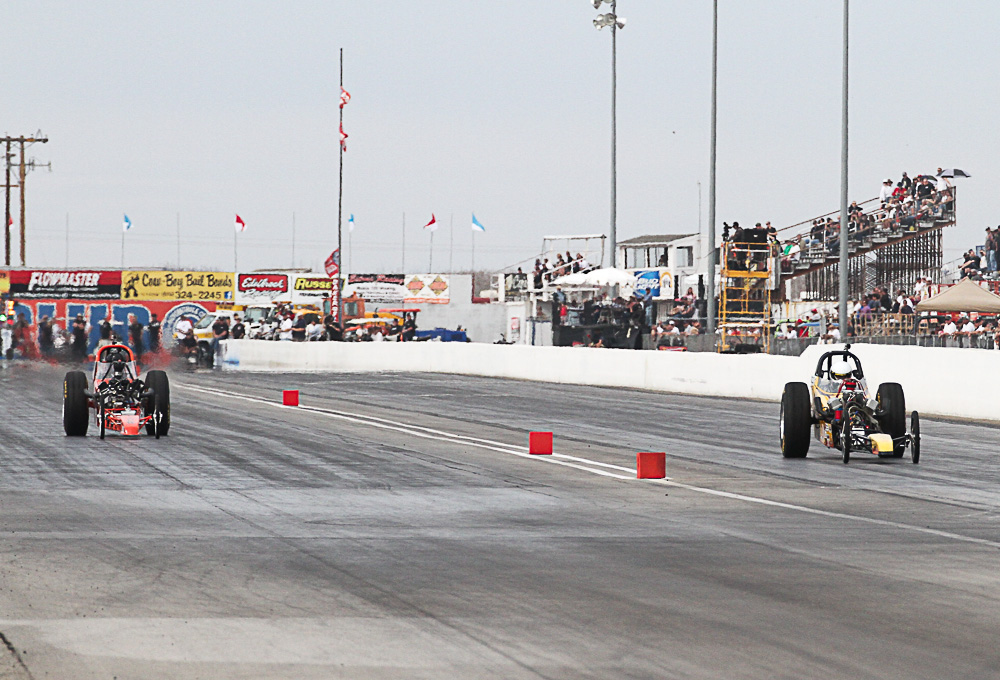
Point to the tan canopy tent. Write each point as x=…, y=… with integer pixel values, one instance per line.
x=965, y=296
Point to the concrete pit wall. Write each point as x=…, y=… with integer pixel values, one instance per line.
x=938, y=381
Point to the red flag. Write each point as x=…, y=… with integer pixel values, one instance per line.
x=432, y=225
x=239, y=224
x=332, y=263
x=345, y=97
x=343, y=138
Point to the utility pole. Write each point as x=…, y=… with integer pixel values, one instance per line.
x=6, y=214
x=23, y=167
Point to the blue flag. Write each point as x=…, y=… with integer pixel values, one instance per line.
x=476, y=226
x=126, y=223
x=350, y=223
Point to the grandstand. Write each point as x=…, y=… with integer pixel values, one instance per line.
x=891, y=246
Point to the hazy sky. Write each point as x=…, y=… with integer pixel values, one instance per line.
x=503, y=108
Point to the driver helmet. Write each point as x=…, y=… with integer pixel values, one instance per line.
x=840, y=370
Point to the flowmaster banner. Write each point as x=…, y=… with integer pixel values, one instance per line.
x=61, y=284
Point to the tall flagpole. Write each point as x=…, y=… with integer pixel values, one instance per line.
x=123, y=247
x=403, y=266
x=178, y=240
x=67, y=240
x=473, y=253
x=430, y=264
x=293, y=239
x=340, y=200
x=451, y=244
x=236, y=266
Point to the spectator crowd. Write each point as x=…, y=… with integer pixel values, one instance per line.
x=899, y=208
x=546, y=272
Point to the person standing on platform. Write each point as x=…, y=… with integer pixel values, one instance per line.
x=153, y=331
x=135, y=333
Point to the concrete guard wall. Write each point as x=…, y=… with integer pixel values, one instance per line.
x=942, y=381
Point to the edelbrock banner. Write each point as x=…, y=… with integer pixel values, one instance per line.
x=264, y=287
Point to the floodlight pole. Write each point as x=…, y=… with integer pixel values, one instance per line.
x=844, y=227
x=711, y=307
x=614, y=135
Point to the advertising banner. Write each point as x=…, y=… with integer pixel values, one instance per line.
x=174, y=285
x=657, y=280
x=261, y=287
x=335, y=300
x=4, y=282
x=332, y=264
x=312, y=287
x=74, y=284
x=427, y=288
x=117, y=312
x=383, y=289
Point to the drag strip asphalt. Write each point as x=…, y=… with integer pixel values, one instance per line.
x=394, y=525
x=560, y=459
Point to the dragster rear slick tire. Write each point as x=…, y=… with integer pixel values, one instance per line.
x=795, y=420
x=893, y=404
x=915, y=437
x=158, y=406
x=76, y=406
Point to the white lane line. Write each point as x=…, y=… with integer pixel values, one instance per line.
x=423, y=432
x=836, y=515
x=441, y=435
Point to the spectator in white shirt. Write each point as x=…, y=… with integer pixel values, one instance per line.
x=942, y=182
x=949, y=328
x=886, y=192
x=285, y=330
x=313, y=331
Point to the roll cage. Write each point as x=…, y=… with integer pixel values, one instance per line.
x=825, y=361
x=115, y=361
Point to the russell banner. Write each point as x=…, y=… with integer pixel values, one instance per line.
x=72, y=284
x=312, y=287
x=177, y=285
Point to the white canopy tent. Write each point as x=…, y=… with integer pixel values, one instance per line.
x=608, y=276
x=965, y=296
